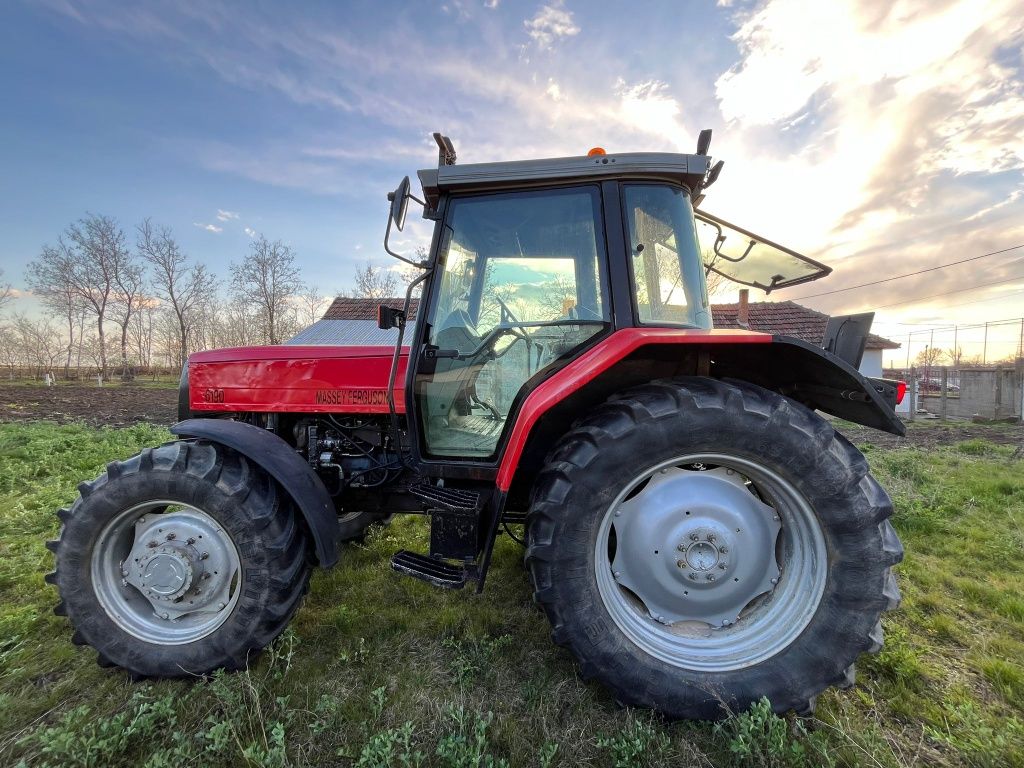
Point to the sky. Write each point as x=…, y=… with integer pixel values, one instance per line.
x=878, y=137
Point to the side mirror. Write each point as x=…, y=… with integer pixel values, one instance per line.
x=400, y=204
x=389, y=317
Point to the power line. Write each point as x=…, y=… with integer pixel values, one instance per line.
x=908, y=274
x=947, y=293
x=959, y=304
x=991, y=324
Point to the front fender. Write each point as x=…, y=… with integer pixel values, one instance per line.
x=281, y=462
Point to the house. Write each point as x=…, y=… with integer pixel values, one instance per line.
x=354, y=321
x=787, y=318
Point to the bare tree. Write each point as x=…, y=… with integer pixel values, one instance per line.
x=311, y=305
x=6, y=292
x=375, y=282
x=929, y=356
x=128, y=284
x=184, y=287
x=51, y=277
x=266, y=281
x=100, y=253
x=39, y=344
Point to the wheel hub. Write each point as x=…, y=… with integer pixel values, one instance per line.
x=695, y=546
x=180, y=564
x=167, y=572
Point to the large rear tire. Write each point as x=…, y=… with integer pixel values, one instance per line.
x=181, y=560
x=698, y=544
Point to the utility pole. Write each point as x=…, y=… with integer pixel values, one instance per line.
x=908, y=348
x=956, y=352
x=984, y=347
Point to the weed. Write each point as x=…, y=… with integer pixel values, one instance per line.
x=759, y=737
x=639, y=743
x=467, y=746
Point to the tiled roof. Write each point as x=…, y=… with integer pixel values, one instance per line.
x=346, y=308
x=780, y=317
x=786, y=318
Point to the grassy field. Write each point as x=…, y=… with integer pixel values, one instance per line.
x=378, y=670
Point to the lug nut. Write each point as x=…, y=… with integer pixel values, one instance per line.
x=681, y=563
x=221, y=606
x=165, y=616
x=694, y=537
x=204, y=555
x=723, y=550
x=124, y=582
x=775, y=581
x=618, y=574
x=726, y=623
x=152, y=544
x=171, y=537
x=711, y=538
x=710, y=577
x=722, y=566
x=693, y=576
x=681, y=548
x=190, y=540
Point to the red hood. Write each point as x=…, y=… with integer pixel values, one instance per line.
x=296, y=379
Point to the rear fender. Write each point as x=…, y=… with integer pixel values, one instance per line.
x=281, y=462
x=794, y=368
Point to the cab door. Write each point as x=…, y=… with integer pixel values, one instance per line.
x=521, y=283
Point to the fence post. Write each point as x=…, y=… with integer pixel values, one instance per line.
x=942, y=397
x=913, y=393
x=997, y=410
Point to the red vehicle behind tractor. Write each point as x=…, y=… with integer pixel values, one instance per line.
x=698, y=536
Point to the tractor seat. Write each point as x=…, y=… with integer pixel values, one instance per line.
x=458, y=331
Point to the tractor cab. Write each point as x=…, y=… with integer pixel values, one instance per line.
x=534, y=262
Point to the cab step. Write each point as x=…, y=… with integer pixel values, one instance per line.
x=432, y=570
x=453, y=499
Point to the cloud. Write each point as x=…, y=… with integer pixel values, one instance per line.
x=250, y=232
x=491, y=4
x=551, y=23
x=208, y=227
x=893, y=129
x=226, y=215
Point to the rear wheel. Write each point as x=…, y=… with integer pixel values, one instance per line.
x=698, y=544
x=181, y=560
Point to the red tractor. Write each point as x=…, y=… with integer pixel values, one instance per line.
x=698, y=536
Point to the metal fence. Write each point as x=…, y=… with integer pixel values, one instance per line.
x=993, y=392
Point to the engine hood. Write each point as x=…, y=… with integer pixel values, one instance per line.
x=296, y=379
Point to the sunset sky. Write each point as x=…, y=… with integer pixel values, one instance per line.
x=881, y=138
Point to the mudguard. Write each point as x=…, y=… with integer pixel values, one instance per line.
x=280, y=461
x=812, y=375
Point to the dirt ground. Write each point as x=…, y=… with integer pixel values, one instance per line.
x=119, y=406
x=114, y=406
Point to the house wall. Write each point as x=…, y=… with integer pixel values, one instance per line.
x=871, y=363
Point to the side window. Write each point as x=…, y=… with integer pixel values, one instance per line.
x=667, y=272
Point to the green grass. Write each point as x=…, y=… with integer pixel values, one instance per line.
x=378, y=670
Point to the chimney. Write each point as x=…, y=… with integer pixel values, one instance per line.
x=743, y=309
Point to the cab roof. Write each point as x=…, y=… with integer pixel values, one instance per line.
x=690, y=170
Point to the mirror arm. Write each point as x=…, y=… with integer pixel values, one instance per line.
x=400, y=257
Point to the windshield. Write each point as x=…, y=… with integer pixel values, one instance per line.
x=750, y=259
x=668, y=279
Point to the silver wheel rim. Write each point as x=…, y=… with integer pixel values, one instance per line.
x=710, y=562
x=166, y=572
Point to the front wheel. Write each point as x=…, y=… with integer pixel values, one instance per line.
x=179, y=561
x=699, y=544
